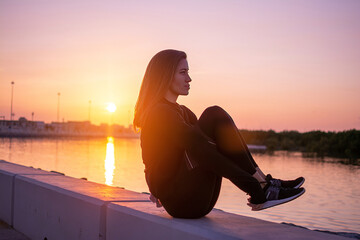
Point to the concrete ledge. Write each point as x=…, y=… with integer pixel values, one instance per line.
x=8, y=171
x=83, y=188
x=42, y=211
x=53, y=206
x=60, y=207
x=126, y=219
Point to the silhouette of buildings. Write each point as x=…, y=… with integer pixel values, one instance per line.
x=25, y=128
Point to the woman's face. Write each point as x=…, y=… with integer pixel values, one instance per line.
x=181, y=81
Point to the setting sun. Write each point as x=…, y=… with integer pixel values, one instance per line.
x=111, y=107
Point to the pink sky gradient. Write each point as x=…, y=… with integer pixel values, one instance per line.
x=282, y=65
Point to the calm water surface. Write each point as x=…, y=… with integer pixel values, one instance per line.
x=331, y=201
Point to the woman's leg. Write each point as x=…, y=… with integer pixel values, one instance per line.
x=219, y=126
x=194, y=193
x=197, y=190
x=238, y=165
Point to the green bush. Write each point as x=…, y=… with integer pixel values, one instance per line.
x=344, y=144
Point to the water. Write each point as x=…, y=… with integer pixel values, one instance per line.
x=330, y=202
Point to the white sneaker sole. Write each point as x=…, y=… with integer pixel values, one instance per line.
x=300, y=184
x=272, y=203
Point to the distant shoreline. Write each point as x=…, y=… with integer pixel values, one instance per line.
x=67, y=135
x=345, y=144
x=23, y=128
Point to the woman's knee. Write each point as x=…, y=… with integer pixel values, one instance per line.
x=212, y=118
x=213, y=112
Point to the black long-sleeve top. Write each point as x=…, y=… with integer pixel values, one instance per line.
x=169, y=133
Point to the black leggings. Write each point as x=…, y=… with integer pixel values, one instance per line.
x=196, y=191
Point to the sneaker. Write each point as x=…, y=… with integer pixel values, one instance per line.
x=276, y=196
x=285, y=184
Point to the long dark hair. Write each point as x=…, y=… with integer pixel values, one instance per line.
x=157, y=80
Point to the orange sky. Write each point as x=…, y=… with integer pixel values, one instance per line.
x=272, y=65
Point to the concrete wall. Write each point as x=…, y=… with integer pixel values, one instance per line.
x=45, y=205
x=8, y=172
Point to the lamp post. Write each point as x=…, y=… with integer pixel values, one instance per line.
x=12, y=96
x=58, y=107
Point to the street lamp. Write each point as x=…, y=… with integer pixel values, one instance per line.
x=12, y=96
x=58, y=107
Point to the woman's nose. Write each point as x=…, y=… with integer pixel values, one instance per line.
x=188, y=79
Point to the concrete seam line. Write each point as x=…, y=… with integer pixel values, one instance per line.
x=103, y=216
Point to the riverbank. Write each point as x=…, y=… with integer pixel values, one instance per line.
x=43, y=204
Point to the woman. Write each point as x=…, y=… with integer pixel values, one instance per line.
x=185, y=158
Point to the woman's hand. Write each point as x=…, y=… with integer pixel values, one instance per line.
x=155, y=200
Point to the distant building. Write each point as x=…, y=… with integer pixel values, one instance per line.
x=39, y=125
x=25, y=128
x=22, y=127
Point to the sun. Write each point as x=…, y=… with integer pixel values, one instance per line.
x=111, y=107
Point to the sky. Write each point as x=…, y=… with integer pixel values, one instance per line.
x=281, y=65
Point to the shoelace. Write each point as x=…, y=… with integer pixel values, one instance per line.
x=275, y=182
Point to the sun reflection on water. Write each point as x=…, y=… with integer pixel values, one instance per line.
x=109, y=161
